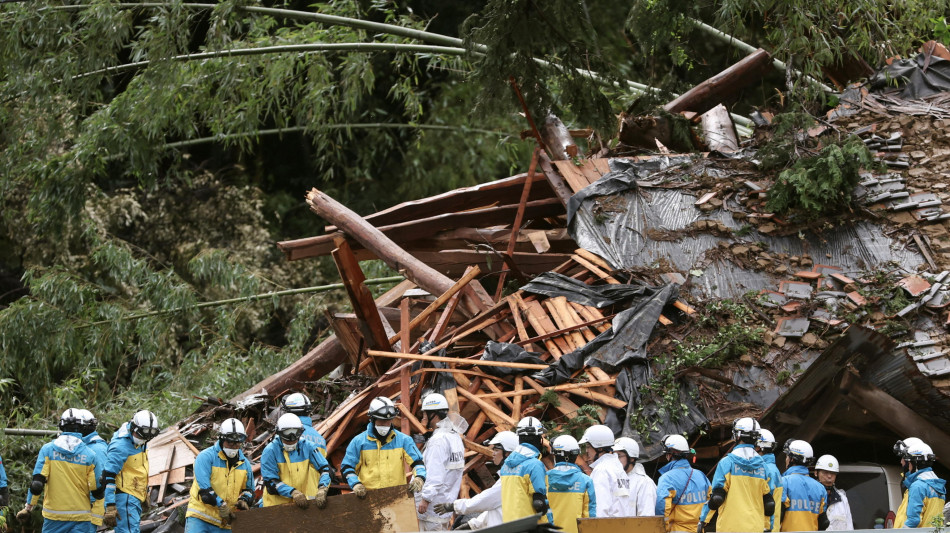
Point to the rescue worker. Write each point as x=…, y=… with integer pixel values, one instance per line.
x=376, y=458
x=223, y=481
x=642, y=488
x=293, y=470
x=803, y=498
x=740, y=497
x=682, y=491
x=68, y=470
x=524, y=483
x=488, y=502
x=838, y=510
x=926, y=493
x=610, y=479
x=125, y=474
x=766, y=448
x=88, y=426
x=298, y=404
x=570, y=490
x=4, y=497
x=444, y=453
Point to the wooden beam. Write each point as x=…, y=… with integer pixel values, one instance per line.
x=361, y=299
x=563, y=387
x=555, y=180
x=444, y=297
x=894, y=415
x=454, y=361
x=498, y=417
x=519, y=215
x=724, y=86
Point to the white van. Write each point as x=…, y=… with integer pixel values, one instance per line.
x=874, y=491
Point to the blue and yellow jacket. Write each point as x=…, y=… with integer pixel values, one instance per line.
x=803, y=500
x=303, y=469
x=923, y=500
x=100, y=447
x=680, y=495
x=126, y=467
x=522, y=475
x=3, y=474
x=774, y=522
x=312, y=435
x=217, y=484
x=69, y=469
x=571, y=495
x=377, y=462
x=741, y=474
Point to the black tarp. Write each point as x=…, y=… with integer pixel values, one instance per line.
x=913, y=78
x=511, y=353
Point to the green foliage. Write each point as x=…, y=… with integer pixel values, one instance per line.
x=508, y=37
x=941, y=30
x=574, y=425
x=823, y=183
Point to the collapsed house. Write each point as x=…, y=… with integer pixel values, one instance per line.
x=653, y=293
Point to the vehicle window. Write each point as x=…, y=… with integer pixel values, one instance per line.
x=867, y=495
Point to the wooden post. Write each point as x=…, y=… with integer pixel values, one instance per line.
x=723, y=86
x=360, y=297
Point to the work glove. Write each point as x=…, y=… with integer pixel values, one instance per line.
x=321, y=499
x=23, y=515
x=226, y=514
x=444, y=508
x=539, y=503
x=416, y=484
x=110, y=517
x=300, y=499
x=360, y=490
x=242, y=505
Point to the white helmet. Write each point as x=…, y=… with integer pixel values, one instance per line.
x=529, y=425
x=506, y=439
x=71, y=421
x=232, y=430
x=800, y=450
x=289, y=427
x=901, y=447
x=675, y=444
x=87, y=421
x=565, y=444
x=745, y=428
x=919, y=453
x=598, y=436
x=766, y=441
x=827, y=463
x=144, y=424
x=296, y=403
x=628, y=445
x=435, y=402
x=381, y=408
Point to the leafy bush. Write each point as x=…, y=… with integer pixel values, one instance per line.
x=821, y=184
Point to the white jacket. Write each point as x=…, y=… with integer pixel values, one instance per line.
x=642, y=491
x=839, y=514
x=444, y=457
x=488, y=503
x=612, y=487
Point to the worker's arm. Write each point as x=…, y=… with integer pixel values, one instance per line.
x=321, y=465
x=645, y=494
x=438, y=451
x=413, y=457
x=350, y=461
x=590, y=510
x=202, y=471
x=119, y=450
x=40, y=475
x=486, y=500
x=665, y=495
x=270, y=473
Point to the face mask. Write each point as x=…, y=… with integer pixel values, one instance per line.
x=290, y=447
x=230, y=452
x=137, y=441
x=382, y=430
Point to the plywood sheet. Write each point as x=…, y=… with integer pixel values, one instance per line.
x=389, y=510
x=158, y=457
x=642, y=524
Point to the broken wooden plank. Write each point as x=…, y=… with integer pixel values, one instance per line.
x=719, y=131
x=390, y=510
x=498, y=417
x=454, y=361
x=471, y=274
x=519, y=216
x=561, y=190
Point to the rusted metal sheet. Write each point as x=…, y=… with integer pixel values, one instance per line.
x=389, y=510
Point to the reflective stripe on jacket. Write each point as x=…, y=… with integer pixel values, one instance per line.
x=379, y=464
x=571, y=496
x=522, y=475
x=130, y=465
x=292, y=470
x=71, y=470
x=680, y=495
x=212, y=472
x=923, y=500
x=803, y=500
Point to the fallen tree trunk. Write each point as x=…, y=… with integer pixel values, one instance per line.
x=723, y=86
